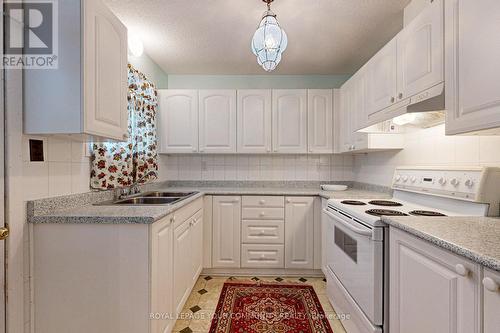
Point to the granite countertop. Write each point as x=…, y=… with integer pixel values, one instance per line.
x=476, y=238
x=80, y=208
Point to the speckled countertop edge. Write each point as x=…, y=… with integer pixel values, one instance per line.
x=79, y=208
x=484, y=249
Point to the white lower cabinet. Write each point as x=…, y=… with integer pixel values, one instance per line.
x=127, y=278
x=262, y=256
x=299, y=232
x=162, y=275
x=226, y=222
x=491, y=301
x=431, y=289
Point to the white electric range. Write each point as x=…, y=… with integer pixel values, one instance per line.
x=356, y=238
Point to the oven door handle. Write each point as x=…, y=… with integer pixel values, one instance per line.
x=359, y=231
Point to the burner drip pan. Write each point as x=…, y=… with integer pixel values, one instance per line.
x=353, y=202
x=425, y=213
x=386, y=203
x=385, y=212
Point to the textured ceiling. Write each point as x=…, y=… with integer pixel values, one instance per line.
x=213, y=36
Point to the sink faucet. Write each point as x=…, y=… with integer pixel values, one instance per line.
x=134, y=187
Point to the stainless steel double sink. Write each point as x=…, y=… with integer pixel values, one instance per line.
x=150, y=199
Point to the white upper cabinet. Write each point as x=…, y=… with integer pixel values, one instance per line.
x=382, y=79
x=87, y=95
x=254, y=121
x=217, y=129
x=105, y=72
x=472, y=67
x=178, y=121
x=320, y=121
x=421, y=52
x=290, y=121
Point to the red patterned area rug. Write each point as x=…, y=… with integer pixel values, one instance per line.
x=269, y=308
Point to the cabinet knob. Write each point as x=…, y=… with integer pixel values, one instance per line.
x=490, y=284
x=268, y=150
x=262, y=233
x=392, y=99
x=262, y=257
x=288, y=200
x=400, y=96
x=461, y=270
x=262, y=214
x=262, y=202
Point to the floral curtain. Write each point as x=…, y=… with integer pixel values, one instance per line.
x=120, y=164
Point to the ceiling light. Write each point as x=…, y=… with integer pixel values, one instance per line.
x=135, y=46
x=405, y=119
x=269, y=41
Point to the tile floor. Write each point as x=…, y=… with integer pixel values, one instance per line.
x=201, y=304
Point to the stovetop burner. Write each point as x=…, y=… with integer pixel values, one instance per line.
x=386, y=203
x=385, y=212
x=426, y=213
x=353, y=202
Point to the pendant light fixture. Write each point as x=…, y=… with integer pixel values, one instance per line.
x=269, y=41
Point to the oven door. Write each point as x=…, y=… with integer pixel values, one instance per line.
x=355, y=254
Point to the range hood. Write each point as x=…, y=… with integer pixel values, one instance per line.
x=426, y=109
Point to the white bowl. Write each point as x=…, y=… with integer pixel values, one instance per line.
x=334, y=188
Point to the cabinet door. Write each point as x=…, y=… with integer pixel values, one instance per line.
x=472, y=66
x=226, y=231
x=196, y=236
x=290, y=121
x=178, y=121
x=217, y=121
x=104, y=72
x=433, y=283
x=382, y=79
x=320, y=121
x=491, y=306
x=343, y=137
x=182, y=265
x=254, y=121
x=421, y=52
x=299, y=232
x=162, y=273
x=357, y=113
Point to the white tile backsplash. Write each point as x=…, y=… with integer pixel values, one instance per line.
x=426, y=147
x=66, y=169
x=257, y=167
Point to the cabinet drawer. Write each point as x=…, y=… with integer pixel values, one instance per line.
x=255, y=213
x=263, y=201
x=262, y=256
x=263, y=232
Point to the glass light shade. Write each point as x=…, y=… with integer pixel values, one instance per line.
x=269, y=42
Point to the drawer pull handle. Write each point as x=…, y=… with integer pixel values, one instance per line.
x=490, y=285
x=461, y=270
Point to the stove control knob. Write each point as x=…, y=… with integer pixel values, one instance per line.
x=413, y=179
x=398, y=178
x=469, y=183
x=405, y=178
x=455, y=182
x=442, y=181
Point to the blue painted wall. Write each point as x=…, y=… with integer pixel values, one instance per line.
x=255, y=81
x=148, y=67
